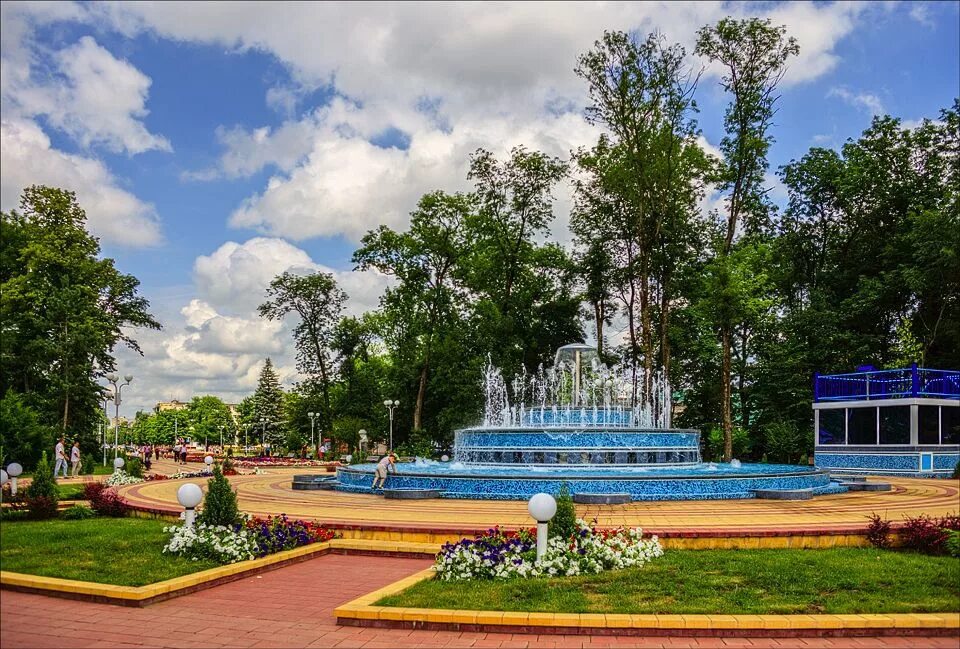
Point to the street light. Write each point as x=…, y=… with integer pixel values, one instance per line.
x=542, y=508
x=246, y=437
x=263, y=433
x=391, y=404
x=189, y=495
x=103, y=431
x=313, y=417
x=117, y=392
x=221, y=438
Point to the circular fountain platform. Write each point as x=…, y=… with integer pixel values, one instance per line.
x=519, y=482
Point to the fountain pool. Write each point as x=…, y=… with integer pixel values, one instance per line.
x=573, y=424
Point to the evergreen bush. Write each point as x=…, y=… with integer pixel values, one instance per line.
x=134, y=467
x=88, y=465
x=564, y=522
x=42, y=493
x=77, y=513
x=220, y=504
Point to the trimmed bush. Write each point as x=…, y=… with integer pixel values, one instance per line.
x=105, y=501
x=42, y=493
x=929, y=535
x=77, y=513
x=220, y=504
x=878, y=532
x=134, y=467
x=564, y=522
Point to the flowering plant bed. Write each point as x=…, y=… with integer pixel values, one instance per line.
x=498, y=554
x=120, y=477
x=251, y=462
x=250, y=539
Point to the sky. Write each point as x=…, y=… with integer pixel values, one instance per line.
x=214, y=146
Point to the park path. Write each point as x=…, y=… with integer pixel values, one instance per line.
x=293, y=607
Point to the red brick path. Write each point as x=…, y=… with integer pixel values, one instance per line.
x=293, y=606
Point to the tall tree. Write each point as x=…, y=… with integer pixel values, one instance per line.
x=637, y=201
x=423, y=259
x=268, y=404
x=753, y=54
x=63, y=311
x=318, y=302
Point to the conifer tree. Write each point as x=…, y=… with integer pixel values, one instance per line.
x=268, y=404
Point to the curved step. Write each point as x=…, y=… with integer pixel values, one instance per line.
x=602, y=499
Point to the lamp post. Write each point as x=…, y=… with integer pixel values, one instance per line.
x=542, y=507
x=189, y=495
x=313, y=417
x=221, y=438
x=391, y=404
x=246, y=437
x=209, y=462
x=117, y=392
x=117, y=464
x=263, y=433
x=103, y=431
x=14, y=470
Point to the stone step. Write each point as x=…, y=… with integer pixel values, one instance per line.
x=328, y=485
x=602, y=499
x=842, y=477
x=867, y=486
x=410, y=494
x=783, y=494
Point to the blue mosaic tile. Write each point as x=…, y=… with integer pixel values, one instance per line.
x=945, y=461
x=900, y=462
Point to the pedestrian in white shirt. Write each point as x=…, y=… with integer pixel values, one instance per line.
x=61, y=455
x=75, y=459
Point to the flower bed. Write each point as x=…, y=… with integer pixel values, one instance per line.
x=120, y=477
x=251, y=462
x=504, y=555
x=250, y=539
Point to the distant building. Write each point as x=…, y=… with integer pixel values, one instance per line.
x=170, y=405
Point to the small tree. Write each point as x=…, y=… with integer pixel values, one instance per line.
x=564, y=522
x=220, y=505
x=89, y=464
x=42, y=494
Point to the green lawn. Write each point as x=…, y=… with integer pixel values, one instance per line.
x=70, y=491
x=121, y=551
x=842, y=580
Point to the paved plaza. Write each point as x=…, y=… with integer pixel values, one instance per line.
x=293, y=607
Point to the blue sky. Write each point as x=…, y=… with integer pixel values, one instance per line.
x=216, y=145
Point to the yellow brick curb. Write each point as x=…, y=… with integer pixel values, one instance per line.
x=363, y=610
x=136, y=595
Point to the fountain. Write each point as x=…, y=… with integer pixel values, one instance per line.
x=604, y=431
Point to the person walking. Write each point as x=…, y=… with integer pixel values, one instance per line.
x=75, y=459
x=61, y=455
x=387, y=463
x=176, y=452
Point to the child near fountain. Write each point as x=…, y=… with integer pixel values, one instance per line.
x=385, y=464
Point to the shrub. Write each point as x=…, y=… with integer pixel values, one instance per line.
x=878, y=532
x=564, y=522
x=88, y=464
x=77, y=513
x=953, y=543
x=105, y=501
x=929, y=535
x=228, y=467
x=42, y=493
x=134, y=467
x=220, y=504
x=784, y=442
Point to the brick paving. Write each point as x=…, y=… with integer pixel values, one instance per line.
x=293, y=607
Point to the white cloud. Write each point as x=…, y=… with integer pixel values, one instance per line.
x=114, y=214
x=216, y=342
x=920, y=12
x=865, y=101
x=95, y=98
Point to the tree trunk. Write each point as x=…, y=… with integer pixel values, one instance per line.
x=741, y=381
x=598, y=319
x=421, y=395
x=725, y=385
x=665, y=338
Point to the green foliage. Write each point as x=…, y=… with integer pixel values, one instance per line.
x=564, y=522
x=89, y=464
x=784, y=442
x=220, y=503
x=419, y=444
x=346, y=430
x=266, y=404
x=953, y=543
x=42, y=495
x=64, y=309
x=134, y=467
x=77, y=513
x=713, y=444
x=22, y=437
x=206, y=415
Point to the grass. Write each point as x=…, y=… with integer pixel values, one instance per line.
x=70, y=491
x=840, y=580
x=120, y=551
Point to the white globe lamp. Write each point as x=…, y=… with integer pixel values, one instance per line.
x=13, y=470
x=117, y=464
x=209, y=462
x=444, y=458
x=542, y=507
x=189, y=495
